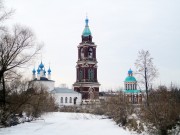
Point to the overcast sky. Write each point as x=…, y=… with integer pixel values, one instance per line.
x=120, y=28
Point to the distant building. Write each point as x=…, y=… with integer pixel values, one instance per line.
x=86, y=69
x=63, y=96
x=40, y=78
x=133, y=95
x=106, y=95
x=66, y=97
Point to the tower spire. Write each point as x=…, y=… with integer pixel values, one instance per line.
x=86, y=21
x=86, y=31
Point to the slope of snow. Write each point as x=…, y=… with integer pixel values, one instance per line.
x=58, y=123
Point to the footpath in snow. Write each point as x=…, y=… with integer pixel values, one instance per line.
x=58, y=123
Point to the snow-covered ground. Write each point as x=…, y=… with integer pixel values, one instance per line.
x=58, y=123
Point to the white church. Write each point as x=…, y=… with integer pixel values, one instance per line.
x=63, y=96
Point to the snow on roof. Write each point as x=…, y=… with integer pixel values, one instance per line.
x=63, y=90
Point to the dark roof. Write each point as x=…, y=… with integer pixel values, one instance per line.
x=42, y=79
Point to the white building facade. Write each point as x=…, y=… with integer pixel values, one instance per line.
x=40, y=78
x=66, y=97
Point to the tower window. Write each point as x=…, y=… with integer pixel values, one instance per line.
x=91, y=74
x=90, y=53
x=82, y=53
x=135, y=99
x=80, y=75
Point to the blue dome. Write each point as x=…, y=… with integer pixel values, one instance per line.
x=130, y=71
x=130, y=79
x=41, y=65
x=34, y=71
x=38, y=71
x=44, y=72
x=49, y=70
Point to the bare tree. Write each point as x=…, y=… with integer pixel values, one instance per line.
x=118, y=108
x=163, y=111
x=4, y=15
x=16, y=50
x=25, y=96
x=146, y=69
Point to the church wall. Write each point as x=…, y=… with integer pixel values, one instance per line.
x=68, y=95
x=134, y=98
x=85, y=92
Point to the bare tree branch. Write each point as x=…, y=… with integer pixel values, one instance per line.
x=146, y=69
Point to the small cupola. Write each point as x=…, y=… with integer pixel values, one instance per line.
x=34, y=71
x=86, y=35
x=49, y=71
x=41, y=66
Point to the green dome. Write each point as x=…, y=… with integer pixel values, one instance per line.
x=130, y=79
x=86, y=31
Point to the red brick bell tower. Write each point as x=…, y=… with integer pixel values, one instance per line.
x=86, y=68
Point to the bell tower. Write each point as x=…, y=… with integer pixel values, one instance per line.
x=86, y=68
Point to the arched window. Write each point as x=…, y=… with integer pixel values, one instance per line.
x=70, y=100
x=91, y=74
x=61, y=99
x=82, y=53
x=129, y=99
x=75, y=100
x=80, y=74
x=90, y=53
x=66, y=100
x=135, y=99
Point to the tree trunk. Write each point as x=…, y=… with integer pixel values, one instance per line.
x=146, y=85
x=4, y=92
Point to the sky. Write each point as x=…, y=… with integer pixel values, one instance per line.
x=120, y=28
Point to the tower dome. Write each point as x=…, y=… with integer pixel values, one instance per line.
x=38, y=70
x=49, y=71
x=41, y=66
x=44, y=72
x=34, y=71
x=130, y=71
x=130, y=77
x=86, y=31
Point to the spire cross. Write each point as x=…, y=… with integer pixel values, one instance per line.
x=86, y=15
x=49, y=64
x=86, y=21
x=41, y=57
